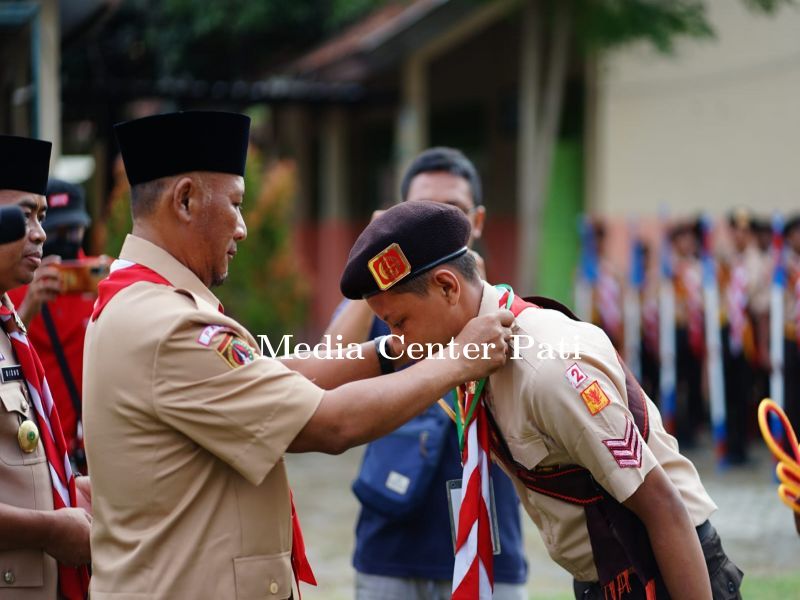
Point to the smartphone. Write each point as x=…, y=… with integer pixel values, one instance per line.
x=82, y=275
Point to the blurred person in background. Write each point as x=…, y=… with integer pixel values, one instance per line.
x=407, y=552
x=744, y=302
x=607, y=295
x=791, y=313
x=762, y=232
x=651, y=374
x=57, y=320
x=689, y=330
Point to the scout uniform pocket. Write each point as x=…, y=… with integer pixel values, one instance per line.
x=266, y=576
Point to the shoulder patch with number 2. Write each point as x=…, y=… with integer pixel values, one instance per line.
x=575, y=376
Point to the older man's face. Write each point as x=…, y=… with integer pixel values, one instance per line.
x=223, y=226
x=20, y=259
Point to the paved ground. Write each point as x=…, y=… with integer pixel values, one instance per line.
x=756, y=529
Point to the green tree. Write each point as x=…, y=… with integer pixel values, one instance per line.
x=205, y=40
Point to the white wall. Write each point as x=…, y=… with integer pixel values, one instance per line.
x=714, y=126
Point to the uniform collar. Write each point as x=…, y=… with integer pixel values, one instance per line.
x=490, y=299
x=139, y=250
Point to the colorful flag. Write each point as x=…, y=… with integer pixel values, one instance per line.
x=716, y=379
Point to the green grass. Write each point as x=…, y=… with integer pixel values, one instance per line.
x=778, y=587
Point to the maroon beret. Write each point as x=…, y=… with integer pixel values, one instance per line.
x=404, y=242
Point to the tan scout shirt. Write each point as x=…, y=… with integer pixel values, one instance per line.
x=190, y=494
x=537, y=403
x=25, y=483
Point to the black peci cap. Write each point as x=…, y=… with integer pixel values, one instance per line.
x=24, y=164
x=174, y=143
x=404, y=242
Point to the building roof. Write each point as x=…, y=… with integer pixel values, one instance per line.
x=381, y=39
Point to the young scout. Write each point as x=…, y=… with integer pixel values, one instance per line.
x=585, y=447
x=42, y=550
x=410, y=556
x=186, y=425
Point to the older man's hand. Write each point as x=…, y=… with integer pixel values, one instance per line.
x=68, y=537
x=483, y=345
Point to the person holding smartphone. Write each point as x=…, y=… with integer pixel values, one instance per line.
x=56, y=317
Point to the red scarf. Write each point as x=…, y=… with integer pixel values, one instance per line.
x=73, y=582
x=122, y=275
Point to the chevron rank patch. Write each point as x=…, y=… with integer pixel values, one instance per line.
x=595, y=398
x=235, y=351
x=627, y=450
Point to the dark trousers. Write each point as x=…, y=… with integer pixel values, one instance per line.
x=726, y=577
x=651, y=374
x=689, y=405
x=791, y=382
x=738, y=398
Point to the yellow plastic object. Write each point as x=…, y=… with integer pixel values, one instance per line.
x=788, y=468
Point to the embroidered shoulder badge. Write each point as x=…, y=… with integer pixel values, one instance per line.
x=575, y=375
x=235, y=351
x=627, y=450
x=595, y=398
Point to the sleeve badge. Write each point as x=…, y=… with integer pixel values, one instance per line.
x=595, y=398
x=235, y=351
x=575, y=376
x=627, y=450
x=205, y=337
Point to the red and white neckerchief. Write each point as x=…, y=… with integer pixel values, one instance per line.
x=609, y=296
x=692, y=281
x=736, y=304
x=473, y=571
x=73, y=582
x=124, y=273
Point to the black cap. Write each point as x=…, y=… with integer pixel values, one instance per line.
x=791, y=224
x=66, y=205
x=691, y=226
x=24, y=164
x=174, y=143
x=404, y=242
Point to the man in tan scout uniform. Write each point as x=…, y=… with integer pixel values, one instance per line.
x=39, y=546
x=186, y=424
x=585, y=447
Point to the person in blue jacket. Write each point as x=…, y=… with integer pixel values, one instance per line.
x=404, y=544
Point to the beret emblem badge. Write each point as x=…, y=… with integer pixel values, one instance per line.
x=389, y=266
